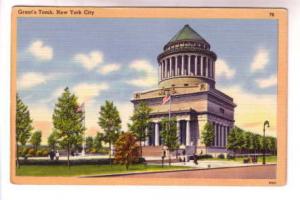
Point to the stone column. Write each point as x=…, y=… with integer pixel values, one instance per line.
x=182, y=64
x=203, y=68
x=171, y=67
x=188, y=133
x=216, y=133
x=222, y=136
x=156, y=134
x=166, y=68
x=213, y=69
x=196, y=65
x=176, y=66
x=178, y=131
x=189, y=65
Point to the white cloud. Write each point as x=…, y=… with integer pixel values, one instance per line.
x=267, y=82
x=40, y=51
x=260, y=60
x=89, y=61
x=126, y=110
x=32, y=79
x=253, y=109
x=87, y=91
x=223, y=69
x=106, y=69
x=149, y=78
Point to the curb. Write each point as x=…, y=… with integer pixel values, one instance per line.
x=177, y=170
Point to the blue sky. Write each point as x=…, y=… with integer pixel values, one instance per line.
x=112, y=58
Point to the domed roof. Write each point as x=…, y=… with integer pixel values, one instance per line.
x=187, y=33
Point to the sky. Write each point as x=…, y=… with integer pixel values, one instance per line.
x=110, y=59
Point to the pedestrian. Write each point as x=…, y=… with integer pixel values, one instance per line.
x=51, y=154
x=57, y=155
x=195, y=159
x=183, y=155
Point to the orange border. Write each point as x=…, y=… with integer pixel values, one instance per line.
x=279, y=14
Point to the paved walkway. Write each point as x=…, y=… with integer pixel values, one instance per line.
x=249, y=172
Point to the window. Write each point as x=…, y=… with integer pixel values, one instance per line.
x=222, y=110
x=186, y=84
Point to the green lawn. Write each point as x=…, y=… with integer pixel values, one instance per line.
x=77, y=170
x=269, y=159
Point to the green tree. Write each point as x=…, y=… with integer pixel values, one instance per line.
x=140, y=122
x=169, y=135
x=208, y=135
x=53, y=140
x=98, y=142
x=256, y=143
x=110, y=122
x=67, y=121
x=235, y=139
x=127, y=149
x=23, y=126
x=36, y=139
x=89, y=142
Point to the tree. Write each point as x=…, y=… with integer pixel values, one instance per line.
x=67, y=121
x=110, y=122
x=169, y=135
x=23, y=126
x=235, y=139
x=36, y=139
x=53, y=140
x=140, y=122
x=127, y=149
x=89, y=142
x=98, y=142
x=208, y=135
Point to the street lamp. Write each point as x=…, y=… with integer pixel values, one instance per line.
x=266, y=124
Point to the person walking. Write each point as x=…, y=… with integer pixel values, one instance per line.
x=57, y=155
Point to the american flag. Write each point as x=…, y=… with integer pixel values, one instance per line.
x=166, y=99
x=80, y=108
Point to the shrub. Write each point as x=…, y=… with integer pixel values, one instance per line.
x=39, y=153
x=221, y=156
x=45, y=153
x=205, y=156
x=30, y=153
x=230, y=157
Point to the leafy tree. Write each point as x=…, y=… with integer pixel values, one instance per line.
x=247, y=141
x=208, y=135
x=110, y=122
x=89, y=142
x=53, y=140
x=235, y=139
x=36, y=139
x=169, y=135
x=256, y=143
x=23, y=126
x=98, y=142
x=67, y=121
x=127, y=149
x=140, y=122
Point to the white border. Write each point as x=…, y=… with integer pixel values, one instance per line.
x=14, y=192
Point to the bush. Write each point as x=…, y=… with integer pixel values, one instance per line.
x=39, y=153
x=221, y=156
x=45, y=153
x=230, y=157
x=205, y=156
x=30, y=152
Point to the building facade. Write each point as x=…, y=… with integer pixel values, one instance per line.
x=186, y=71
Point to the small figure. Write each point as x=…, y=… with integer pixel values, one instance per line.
x=195, y=159
x=183, y=155
x=51, y=154
x=57, y=155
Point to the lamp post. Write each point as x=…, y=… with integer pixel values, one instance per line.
x=266, y=124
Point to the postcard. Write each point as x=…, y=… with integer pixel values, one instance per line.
x=149, y=96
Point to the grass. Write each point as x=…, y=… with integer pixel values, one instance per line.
x=269, y=159
x=79, y=170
